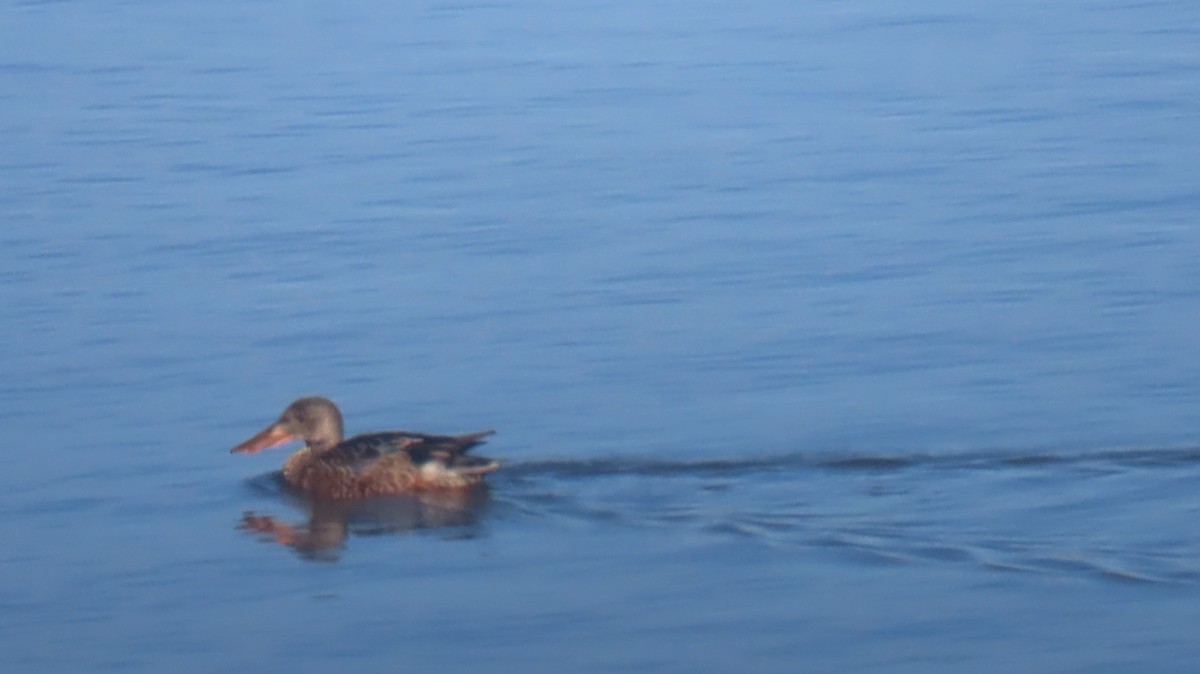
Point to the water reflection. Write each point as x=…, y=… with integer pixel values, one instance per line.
x=322, y=536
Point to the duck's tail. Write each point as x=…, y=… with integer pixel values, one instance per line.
x=460, y=470
x=469, y=440
x=463, y=473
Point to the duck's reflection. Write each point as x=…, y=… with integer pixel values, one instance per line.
x=323, y=536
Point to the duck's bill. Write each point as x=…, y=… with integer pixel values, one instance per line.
x=271, y=436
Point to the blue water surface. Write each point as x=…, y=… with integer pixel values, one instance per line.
x=820, y=336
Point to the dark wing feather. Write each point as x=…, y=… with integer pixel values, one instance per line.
x=362, y=452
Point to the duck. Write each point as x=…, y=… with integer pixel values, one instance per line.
x=331, y=466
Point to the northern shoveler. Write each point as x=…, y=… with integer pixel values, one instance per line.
x=372, y=464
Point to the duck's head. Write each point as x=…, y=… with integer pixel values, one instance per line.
x=314, y=420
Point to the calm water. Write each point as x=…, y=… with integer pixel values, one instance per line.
x=820, y=336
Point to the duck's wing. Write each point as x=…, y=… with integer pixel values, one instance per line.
x=360, y=452
x=446, y=449
x=398, y=448
x=425, y=461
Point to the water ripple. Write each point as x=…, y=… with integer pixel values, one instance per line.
x=1062, y=514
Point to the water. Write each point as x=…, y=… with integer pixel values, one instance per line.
x=820, y=336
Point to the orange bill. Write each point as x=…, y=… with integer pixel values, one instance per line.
x=271, y=436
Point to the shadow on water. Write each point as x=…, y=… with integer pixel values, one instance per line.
x=322, y=536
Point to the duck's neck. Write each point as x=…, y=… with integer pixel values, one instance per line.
x=294, y=467
x=322, y=444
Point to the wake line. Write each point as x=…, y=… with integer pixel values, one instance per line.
x=990, y=460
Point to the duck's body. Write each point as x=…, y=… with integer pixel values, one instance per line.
x=395, y=462
x=372, y=464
